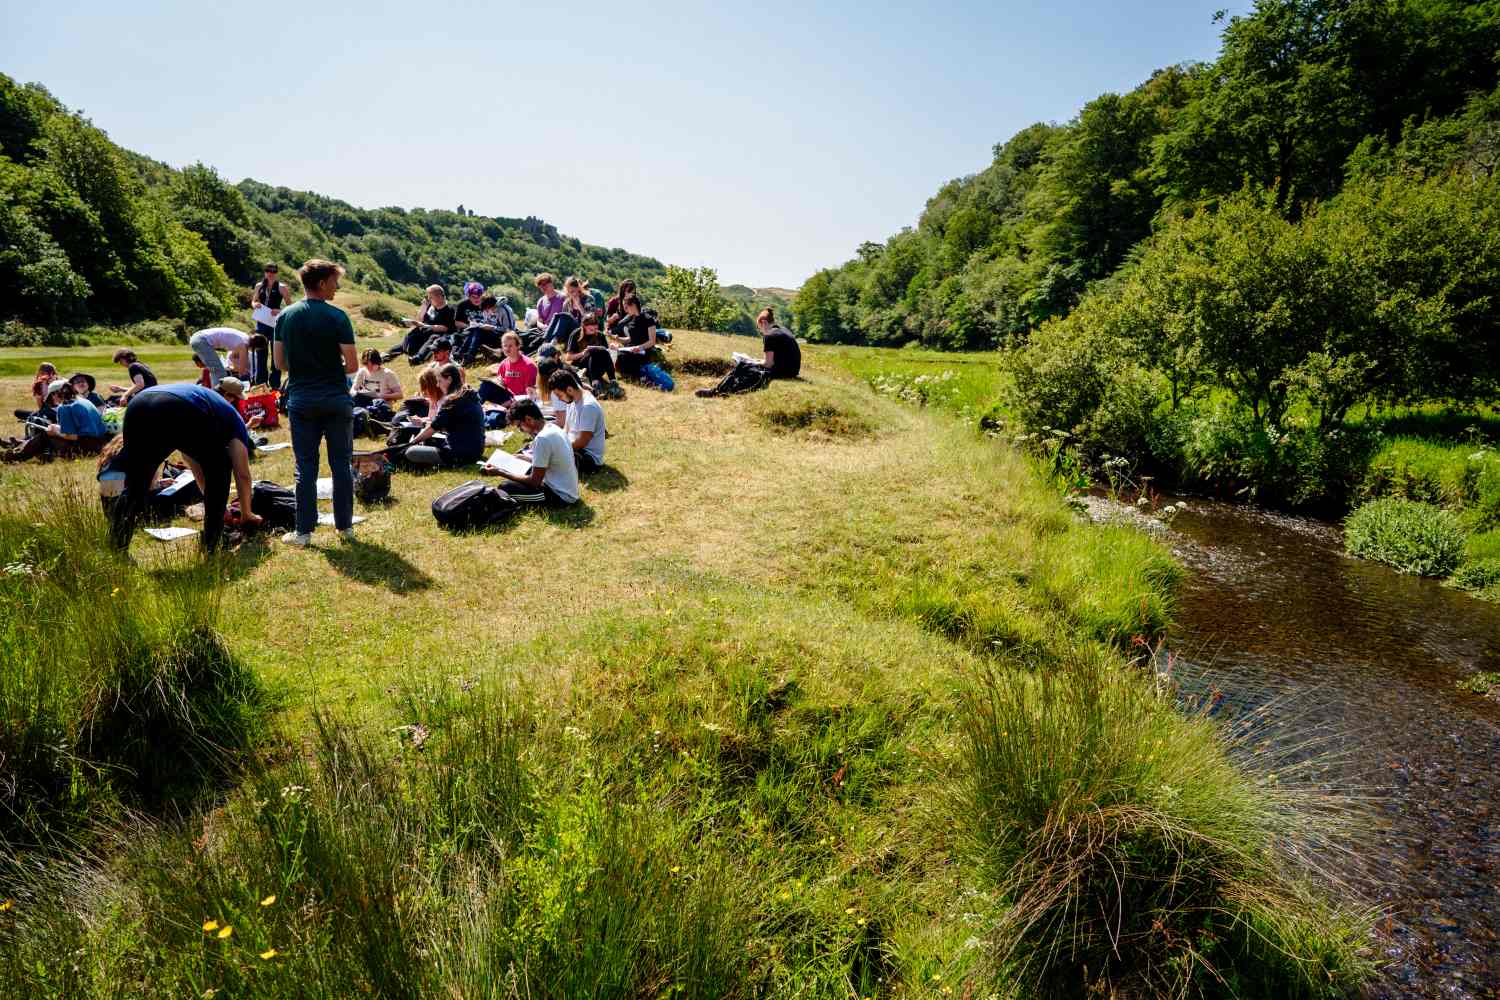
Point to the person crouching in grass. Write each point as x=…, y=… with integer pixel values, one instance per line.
x=552, y=479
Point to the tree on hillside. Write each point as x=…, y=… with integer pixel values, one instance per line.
x=689, y=298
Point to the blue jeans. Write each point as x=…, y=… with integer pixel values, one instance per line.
x=206, y=353
x=561, y=328
x=312, y=422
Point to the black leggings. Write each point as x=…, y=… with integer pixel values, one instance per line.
x=418, y=336
x=597, y=363
x=155, y=425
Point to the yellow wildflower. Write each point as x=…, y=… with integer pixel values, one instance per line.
x=268, y=954
x=7, y=905
x=268, y=901
x=225, y=932
x=210, y=925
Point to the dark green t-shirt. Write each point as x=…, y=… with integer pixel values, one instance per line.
x=312, y=332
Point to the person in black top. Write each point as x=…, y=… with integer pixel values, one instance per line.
x=140, y=376
x=783, y=359
x=271, y=295
x=636, y=335
x=435, y=319
x=459, y=417
x=587, y=349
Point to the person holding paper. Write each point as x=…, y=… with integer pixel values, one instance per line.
x=209, y=433
x=267, y=300
x=583, y=421
x=459, y=417
x=552, y=478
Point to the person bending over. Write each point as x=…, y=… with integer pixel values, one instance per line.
x=782, y=359
x=583, y=421
x=207, y=344
x=553, y=476
x=435, y=319
x=140, y=376
x=203, y=426
x=315, y=347
x=455, y=433
x=587, y=349
x=374, y=381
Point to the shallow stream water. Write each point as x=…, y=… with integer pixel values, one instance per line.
x=1276, y=623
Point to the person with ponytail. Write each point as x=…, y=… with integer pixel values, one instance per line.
x=782, y=358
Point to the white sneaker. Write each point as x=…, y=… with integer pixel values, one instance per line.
x=294, y=538
x=347, y=535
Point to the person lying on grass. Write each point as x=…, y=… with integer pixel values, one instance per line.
x=212, y=438
x=583, y=420
x=455, y=433
x=140, y=376
x=552, y=479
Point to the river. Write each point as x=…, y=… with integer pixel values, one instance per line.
x=1274, y=621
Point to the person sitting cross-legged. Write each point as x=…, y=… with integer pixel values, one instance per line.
x=455, y=433
x=553, y=476
x=583, y=420
x=783, y=359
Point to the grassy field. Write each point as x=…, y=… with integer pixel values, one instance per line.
x=815, y=694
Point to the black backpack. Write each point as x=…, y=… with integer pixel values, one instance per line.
x=276, y=503
x=472, y=505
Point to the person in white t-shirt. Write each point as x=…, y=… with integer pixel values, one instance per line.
x=206, y=345
x=553, y=476
x=584, y=420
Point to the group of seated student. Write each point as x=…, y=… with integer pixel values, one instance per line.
x=66, y=421
x=475, y=326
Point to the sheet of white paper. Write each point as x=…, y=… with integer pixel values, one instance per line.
x=262, y=314
x=502, y=459
x=170, y=534
x=183, y=478
x=278, y=446
x=325, y=488
x=737, y=356
x=496, y=438
x=327, y=518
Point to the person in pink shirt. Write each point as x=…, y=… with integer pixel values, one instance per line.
x=517, y=374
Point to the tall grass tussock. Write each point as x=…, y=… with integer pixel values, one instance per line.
x=847, y=714
x=1413, y=537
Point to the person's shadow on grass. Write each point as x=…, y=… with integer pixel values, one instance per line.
x=606, y=479
x=377, y=566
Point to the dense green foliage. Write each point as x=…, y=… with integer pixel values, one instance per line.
x=1304, y=94
x=1413, y=537
x=90, y=232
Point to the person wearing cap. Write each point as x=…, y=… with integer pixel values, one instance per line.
x=233, y=390
x=72, y=424
x=206, y=429
x=268, y=298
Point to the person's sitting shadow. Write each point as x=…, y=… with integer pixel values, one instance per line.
x=377, y=566
x=575, y=515
x=606, y=479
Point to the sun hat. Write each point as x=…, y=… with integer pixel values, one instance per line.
x=86, y=377
x=231, y=386
x=56, y=385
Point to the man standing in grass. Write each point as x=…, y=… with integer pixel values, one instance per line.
x=314, y=345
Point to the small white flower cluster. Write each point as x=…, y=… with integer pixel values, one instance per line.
x=294, y=792
x=19, y=569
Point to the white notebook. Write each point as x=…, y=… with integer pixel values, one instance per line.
x=507, y=462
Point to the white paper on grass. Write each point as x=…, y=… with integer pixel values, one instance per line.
x=327, y=518
x=170, y=534
x=279, y=446
x=325, y=488
x=507, y=462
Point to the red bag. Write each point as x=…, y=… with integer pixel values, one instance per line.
x=265, y=405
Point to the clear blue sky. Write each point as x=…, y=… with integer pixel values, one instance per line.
x=767, y=140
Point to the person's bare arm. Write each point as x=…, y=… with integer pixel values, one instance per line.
x=351, y=359
x=278, y=354
x=770, y=361
x=582, y=440
x=239, y=461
